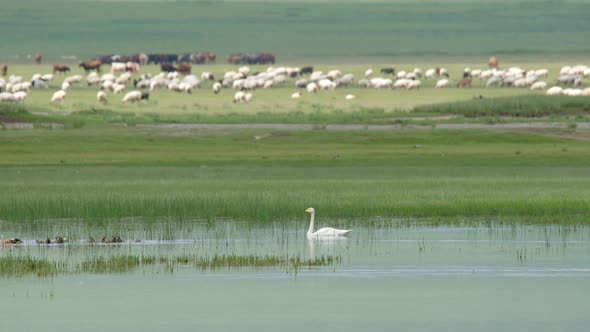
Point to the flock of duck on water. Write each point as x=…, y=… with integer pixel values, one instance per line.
x=322, y=233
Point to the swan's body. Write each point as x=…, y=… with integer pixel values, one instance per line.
x=326, y=232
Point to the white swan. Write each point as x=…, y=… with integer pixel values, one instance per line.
x=325, y=232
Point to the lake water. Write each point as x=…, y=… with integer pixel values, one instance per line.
x=414, y=278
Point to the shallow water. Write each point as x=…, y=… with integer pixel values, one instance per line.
x=516, y=278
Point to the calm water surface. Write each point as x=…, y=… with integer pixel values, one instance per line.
x=511, y=278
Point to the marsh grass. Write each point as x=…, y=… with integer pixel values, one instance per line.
x=519, y=106
x=22, y=266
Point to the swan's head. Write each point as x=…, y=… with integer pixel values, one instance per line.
x=310, y=210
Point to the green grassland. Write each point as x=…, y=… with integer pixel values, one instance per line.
x=110, y=173
x=294, y=29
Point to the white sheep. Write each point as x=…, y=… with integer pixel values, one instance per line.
x=248, y=97
x=554, y=91
x=430, y=73
x=101, y=97
x=239, y=97
x=413, y=85
x=132, y=97
x=368, y=72
x=245, y=70
x=572, y=92
x=59, y=95
x=586, y=92
x=123, y=78
x=539, y=86
x=326, y=84
x=296, y=95
x=74, y=79
x=118, y=66
x=65, y=86
x=207, y=76
x=216, y=87
x=47, y=77
x=312, y=87
x=442, y=83
x=19, y=96
x=6, y=97
x=118, y=88
x=349, y=97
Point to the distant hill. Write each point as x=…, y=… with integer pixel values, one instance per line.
x=294, y=29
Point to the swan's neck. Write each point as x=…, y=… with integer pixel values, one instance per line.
x=310, y=231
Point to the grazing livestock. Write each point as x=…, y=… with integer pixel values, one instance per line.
x=207, y=76
x=554, y=91
x=493, y=62
x=248, y=97
x=132, y=97
x=143, y=59
x=239, y=97
x=65, y=86
x=184, y=68
x=101, y=97
x=132, y=67
x=59, y=96
x=38, y=58
x=216, y=87
x=6, y=97
x=413, y=85
x=442, y=83
x=296, y=95
x=168, y=68
x=312, y=87
x=349, y=97
x=368, y=72
x=118, y=67
x=388, y=71
x=60, y=68
x=19, y=96
x=306, y=70
x=539, y=86
x=39, y=83
x=466, y=81
x=4, y=69
x=91, y=65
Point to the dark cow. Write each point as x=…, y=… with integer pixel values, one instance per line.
x=91, y=65
x=166, y=67
x=4, y=69
x=184, y=68
x=306, y=70
x=162, y=58
x=388, y=70
x=60, y=68
x=38, y=58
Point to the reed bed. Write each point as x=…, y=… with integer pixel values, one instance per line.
x=12, y=266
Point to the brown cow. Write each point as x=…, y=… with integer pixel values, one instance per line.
x=464, y=82
x=4, y=69
x=493, y=62
x=60, y=68
x=91, y=65
x=184, y=68
x=38, y=58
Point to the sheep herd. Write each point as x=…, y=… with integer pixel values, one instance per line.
x=244, y=81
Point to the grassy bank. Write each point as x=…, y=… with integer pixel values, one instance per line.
x=446, y=175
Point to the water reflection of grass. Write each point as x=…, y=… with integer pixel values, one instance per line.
x=21, y=266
